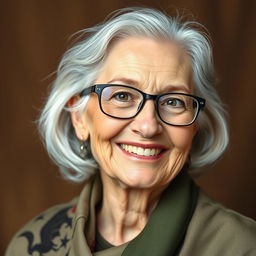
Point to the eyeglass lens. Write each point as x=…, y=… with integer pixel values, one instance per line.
x=125, y=102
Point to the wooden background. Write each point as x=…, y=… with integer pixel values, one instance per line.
x=34, y=35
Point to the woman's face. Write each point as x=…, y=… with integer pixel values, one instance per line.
x=154, y=67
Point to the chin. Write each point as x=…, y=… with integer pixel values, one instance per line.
x=140, y=179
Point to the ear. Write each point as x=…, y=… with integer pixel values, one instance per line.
x=78, y=120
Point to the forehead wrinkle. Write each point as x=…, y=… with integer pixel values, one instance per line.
x=152, y=80
x=150, y=72
x=161, y=81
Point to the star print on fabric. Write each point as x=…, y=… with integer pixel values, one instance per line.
x=64, y=242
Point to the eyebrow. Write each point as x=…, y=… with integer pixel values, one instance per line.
x=127, y=81
x=172, y=87
x=168, y=88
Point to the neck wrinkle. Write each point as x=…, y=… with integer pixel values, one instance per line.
x=124, y=211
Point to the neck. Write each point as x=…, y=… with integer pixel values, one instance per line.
x=124, y=211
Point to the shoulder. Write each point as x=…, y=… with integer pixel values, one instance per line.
x=218, y=230
x=223, y=218
x=49, y=232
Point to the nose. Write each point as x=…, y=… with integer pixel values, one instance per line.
x=147, y=123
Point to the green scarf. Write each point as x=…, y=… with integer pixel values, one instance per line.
x=166, y=228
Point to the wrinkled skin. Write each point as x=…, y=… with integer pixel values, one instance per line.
x=131, y=183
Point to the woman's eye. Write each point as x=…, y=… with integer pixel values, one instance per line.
x=177, y=103
x=122, y=96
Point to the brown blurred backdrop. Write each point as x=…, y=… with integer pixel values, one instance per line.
x=34, y=35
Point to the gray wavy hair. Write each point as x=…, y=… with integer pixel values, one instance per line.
x=82, y=63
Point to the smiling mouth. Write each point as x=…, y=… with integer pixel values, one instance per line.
x=141, y=151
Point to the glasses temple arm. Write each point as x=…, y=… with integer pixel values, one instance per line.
x=87, y=91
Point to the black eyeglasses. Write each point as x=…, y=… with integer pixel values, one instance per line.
x=124, y=102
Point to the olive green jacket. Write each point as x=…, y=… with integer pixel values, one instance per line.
x=69, y=230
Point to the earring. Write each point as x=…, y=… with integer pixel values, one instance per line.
x=83, y=149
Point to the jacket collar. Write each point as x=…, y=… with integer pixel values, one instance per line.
x=165, y=229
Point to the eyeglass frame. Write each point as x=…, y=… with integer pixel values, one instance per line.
x=98, y=88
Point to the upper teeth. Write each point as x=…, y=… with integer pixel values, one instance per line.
x=141, y=151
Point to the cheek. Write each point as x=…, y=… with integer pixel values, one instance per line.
x=100, y=126
x=181, y=137
x=102, y=129
x=180, y=141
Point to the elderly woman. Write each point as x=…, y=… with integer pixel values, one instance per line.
x=133, y=111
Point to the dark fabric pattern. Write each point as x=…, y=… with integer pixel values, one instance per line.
x=49, y=232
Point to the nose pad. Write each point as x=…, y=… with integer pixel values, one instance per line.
x=147, y=122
